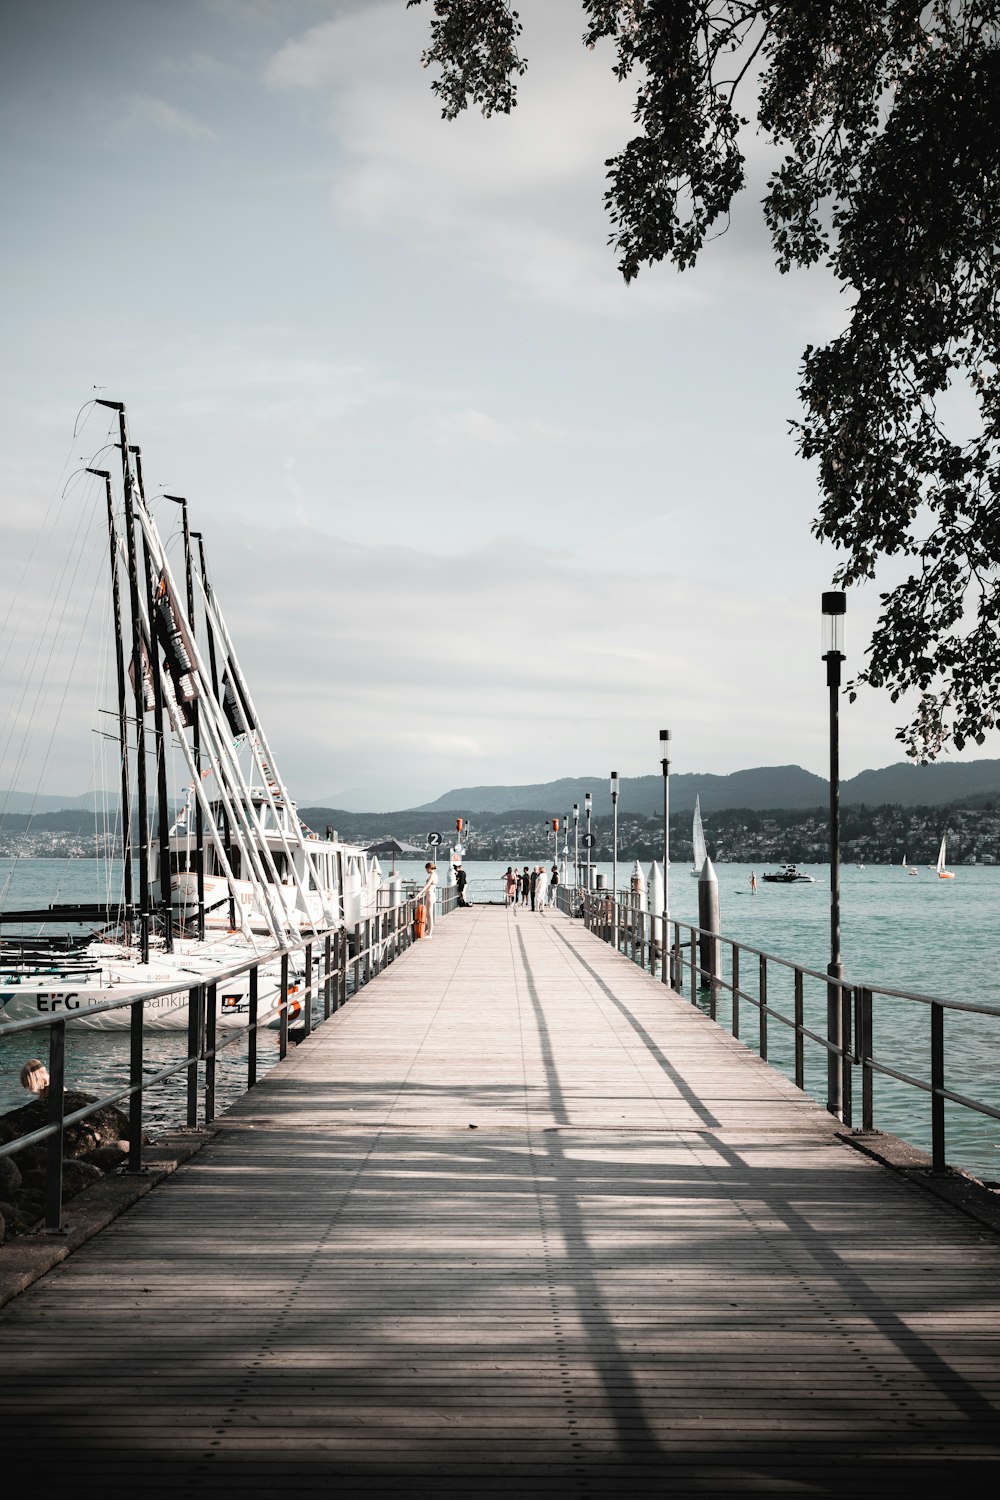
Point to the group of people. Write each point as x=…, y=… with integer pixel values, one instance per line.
x=536, y=887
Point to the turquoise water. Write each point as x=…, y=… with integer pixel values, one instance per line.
x=920, y=934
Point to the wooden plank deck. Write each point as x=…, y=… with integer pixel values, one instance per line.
x=516, y=1222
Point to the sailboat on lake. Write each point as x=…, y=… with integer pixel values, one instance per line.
x=698, y=841
x=943, y=874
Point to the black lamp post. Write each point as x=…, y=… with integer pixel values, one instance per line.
x=576, y=843
x=614, y=835
x=834, y=610
x=665, y=767
x=588, y=840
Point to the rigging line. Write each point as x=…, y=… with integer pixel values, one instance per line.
x=54, y=631
x=71, y=552
x=56, y=498
x=57, y=636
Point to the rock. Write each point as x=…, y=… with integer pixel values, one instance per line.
x=10, y=1175
x=78, y=1175
x=7, y=1210
x=34, y=1181
x=106, y=1126
x=107, y=1158
x=7, y=1131
x=3, y=1228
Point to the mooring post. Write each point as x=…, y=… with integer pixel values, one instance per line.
x=708, y=920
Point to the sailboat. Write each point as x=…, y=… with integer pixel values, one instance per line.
x=238, y=875
x=910, y=869
x=698, y=841
x=943, y=874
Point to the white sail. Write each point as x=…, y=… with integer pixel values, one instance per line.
x=941, y=852
x=698, y=839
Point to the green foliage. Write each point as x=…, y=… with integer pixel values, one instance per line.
x=889, y=117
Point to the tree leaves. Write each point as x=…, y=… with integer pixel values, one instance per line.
x=889, y=114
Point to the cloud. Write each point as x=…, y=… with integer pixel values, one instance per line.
x=518, y=198
x=515, y=197
x=145, y=110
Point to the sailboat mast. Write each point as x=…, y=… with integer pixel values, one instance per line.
x=162, y=809
x=138, y=683
x=227, y=836
x=116, y=610
x=199, y=820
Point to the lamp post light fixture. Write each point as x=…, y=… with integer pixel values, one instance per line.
x=587, y=809
x=665, y=768
x=615, y=784
x=834, y=610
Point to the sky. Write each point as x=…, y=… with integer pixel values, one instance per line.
x=476, y=510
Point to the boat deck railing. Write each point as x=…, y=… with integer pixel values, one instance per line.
x=723, y=977
x=318, y=975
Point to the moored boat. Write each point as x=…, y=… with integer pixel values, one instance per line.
x=238, y=876
x=789, y=875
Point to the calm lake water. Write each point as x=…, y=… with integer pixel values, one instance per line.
x=915, y=933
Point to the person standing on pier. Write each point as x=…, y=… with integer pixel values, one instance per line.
x=427, y=894
x=460, y=880
x=525, y=886
x=510, y=888
x=541, y=889
x=533, y=885
x=554, y=885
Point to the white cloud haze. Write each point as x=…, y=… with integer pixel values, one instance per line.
x=476, y=511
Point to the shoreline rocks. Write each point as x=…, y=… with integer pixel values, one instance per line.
x=92, y=1148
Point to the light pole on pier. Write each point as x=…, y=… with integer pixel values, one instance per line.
x=587, y=807
x=665, y=768
x=834, y=610
x=576, y=844
x=614, y=835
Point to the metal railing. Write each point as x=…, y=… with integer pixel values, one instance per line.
x=720, y=973
x=331, y=967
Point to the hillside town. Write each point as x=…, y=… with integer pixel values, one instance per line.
x=869, y=835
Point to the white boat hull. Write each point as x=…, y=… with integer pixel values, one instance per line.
x=119, y=977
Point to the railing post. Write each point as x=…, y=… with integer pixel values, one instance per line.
x=194, y=1052
x=210, y=1018
x=736, y=990
x=800, y=1048
x=308, y=1011
x=54, y=1145
x=846, y=1056
x=762, y=995
x=135, y=1084
x=342, y=972
x=254, y=983
x=694, y=966
x=938, y=1160
x=327, y=975
x=283, y=1001
x=357, y=957
x=865, y=1043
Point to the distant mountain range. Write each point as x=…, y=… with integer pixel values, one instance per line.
x=764, y=788
x=26, y=802
x=761, y=789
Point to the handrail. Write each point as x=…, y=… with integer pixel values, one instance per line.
x=359, y=955
x=688, y=960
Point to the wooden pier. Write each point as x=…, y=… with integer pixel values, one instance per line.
x=516, y=1221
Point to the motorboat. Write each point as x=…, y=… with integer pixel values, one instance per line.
x=789, y=875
